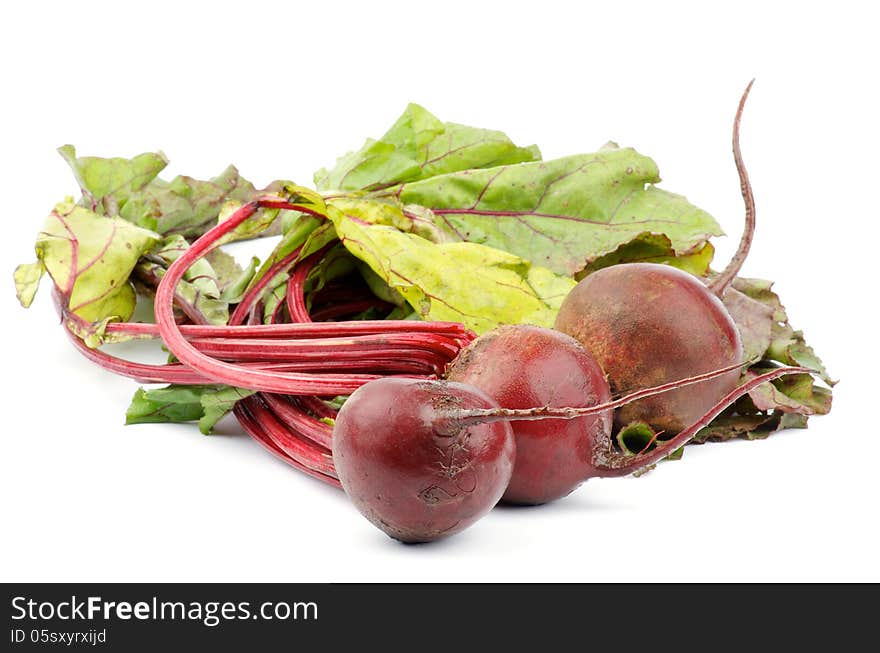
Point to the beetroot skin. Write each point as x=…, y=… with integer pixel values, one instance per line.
x=412, y=480
x=526, y=366
x=648, y=324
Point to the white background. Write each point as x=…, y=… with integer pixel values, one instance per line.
x=280, y=92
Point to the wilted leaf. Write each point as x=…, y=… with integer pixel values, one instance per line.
x=656, y=248
x=754, y=321
x=90, y=258
x=751, y=427
x=789, y=347
x=795, y=393
x=226, y=269
x=108, y=183
x=418, y=146
x=762, y=291
x=27, y=281
x=257, y=224
x=461, y=282
x=198, y=294
x=563, y=214
x=184, y=205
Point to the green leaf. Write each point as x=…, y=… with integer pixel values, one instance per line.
x=274, y=296
x=638, y=437
x=563, y=214
x=378, y=287
x=307, y=234
x=656, y=248
x=185, y=206
x=460, y=147
x=200, y=274
x=338, y=262
x=264, y=219
x=198, y=294
x=297, y=235
x=206, y=404
x=171, y=404
x=789, y=347
x=27, y=281
x=419, y=146
x=477, y=285
x=766, y=334
x=784, y=344
x=217, y=403
x=108, y=183
x=90, y=258
x=226, y=269
x=130, y=189
x=234, y=289
x=253, y=227
x=795, y=393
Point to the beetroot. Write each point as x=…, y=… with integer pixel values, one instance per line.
x=522, y=366
x=415, y=482
x=647, y=324
x=425, y=459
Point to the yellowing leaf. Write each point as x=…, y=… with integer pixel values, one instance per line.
x=462, y=282
x=90, y=259
x=419, y=146
x=565, y=213
x=27, y=281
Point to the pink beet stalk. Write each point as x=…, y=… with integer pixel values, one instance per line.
x=298, y=330
x=253, y=294
x=228, y=373
x=256, y=430
x=290, y=442
x=608, y=462
x=297, y=419
x=296, y=301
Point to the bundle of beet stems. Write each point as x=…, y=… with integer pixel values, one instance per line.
x=293, y=362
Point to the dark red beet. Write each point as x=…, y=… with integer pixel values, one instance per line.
x=522, y=366
x=415, y=482
x=424, y=459
x=648, y=324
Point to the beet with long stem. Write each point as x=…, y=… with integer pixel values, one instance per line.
x=648, y=323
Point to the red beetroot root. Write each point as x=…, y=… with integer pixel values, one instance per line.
x=648, y=324
x=415, y=483
x=525, y=366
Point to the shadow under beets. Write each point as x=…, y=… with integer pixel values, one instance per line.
x=229, y=434
x=579, y=501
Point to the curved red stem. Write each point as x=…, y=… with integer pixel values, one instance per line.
x=611, y=463
x=723, y=280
